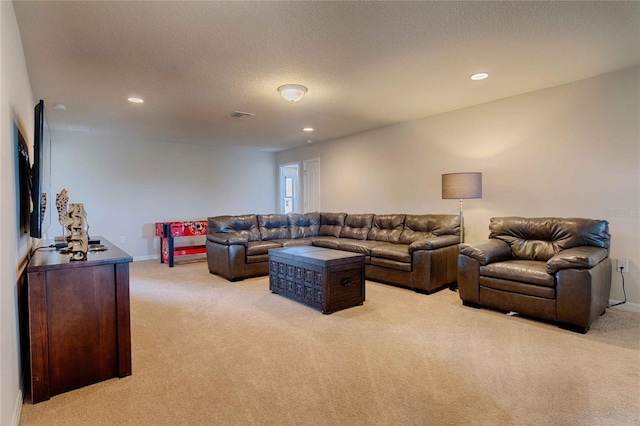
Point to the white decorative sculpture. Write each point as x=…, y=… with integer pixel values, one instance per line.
x=77, y=231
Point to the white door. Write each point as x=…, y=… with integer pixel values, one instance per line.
x=311, y=185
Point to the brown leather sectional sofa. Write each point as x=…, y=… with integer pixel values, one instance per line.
x=555, y=269
x=413, y=251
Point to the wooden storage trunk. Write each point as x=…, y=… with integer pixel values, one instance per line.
x=325, y=279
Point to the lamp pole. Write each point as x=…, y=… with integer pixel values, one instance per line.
x=461, y=223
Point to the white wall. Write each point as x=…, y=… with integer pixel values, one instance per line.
x=569, y=151
x=16, y=112
x=128, y=185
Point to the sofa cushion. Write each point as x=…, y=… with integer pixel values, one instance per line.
x=417, y=227
x=331, y=224
x=304, y=225
x=543, y=237
x=259, y=258
x=519, y=288
x=243, y=226
x=274, y=226
x=357, y=226
x=527, y=271
x=392, y=264
x=387, y=227
x=297, y=242
x=261, y=247
x=399, y=252
x=357, y=246
x=326, y=242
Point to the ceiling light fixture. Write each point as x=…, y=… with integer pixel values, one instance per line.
x=136, y=100
x=292, y=92
x=308, y=129
x=479, y=76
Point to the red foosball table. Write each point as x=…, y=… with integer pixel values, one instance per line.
x=167, y=231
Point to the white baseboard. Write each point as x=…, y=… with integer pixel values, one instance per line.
x=631, y=307
x=17, y=410
x=157, y=256
x=148, y=257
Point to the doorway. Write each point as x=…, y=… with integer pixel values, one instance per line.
x=289, y=192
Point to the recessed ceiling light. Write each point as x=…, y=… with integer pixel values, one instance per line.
x=61, y=107
x=479, y=76
x=308, y=129
x=136, y=100
x=309, y=141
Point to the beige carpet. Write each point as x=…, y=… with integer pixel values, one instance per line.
x=208, y=351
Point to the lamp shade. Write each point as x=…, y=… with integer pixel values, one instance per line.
x=462, y=185
x=292, y=92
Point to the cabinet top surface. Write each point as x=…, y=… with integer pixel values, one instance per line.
x=45, y=258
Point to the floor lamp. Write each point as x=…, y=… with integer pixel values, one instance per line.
x=462, y=186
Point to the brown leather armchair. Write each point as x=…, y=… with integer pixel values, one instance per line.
x=554, y=269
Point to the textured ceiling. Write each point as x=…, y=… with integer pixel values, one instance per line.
x=366, y=64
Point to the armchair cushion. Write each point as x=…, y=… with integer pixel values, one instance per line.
x=488, y=251
x=576, y=257
x=526, y=271
x=543, y=237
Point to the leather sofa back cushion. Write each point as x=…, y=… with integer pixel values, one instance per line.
x=274, y=226
x=245, y=226
x=331, y=224
x=357, y=226
x=304, y=225
x=417, y=227
x=543, y=237
x=387, y=227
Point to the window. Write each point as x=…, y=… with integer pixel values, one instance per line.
x=288, y=194
x=289, y=188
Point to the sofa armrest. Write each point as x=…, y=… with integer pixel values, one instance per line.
x=583, y=257
x=226, y=238
x=434, y=243
x=488, y=251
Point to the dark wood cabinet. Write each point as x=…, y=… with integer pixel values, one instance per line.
x=79, y=326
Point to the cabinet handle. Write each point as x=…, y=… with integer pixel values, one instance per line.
x=346, y=282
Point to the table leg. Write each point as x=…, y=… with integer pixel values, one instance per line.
x=171, y=247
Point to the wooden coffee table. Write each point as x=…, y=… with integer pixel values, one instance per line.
x=325, y=279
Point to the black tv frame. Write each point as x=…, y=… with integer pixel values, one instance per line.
x=24, y=181
x=40, y=174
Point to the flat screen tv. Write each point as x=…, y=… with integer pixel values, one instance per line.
x=40, y=217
